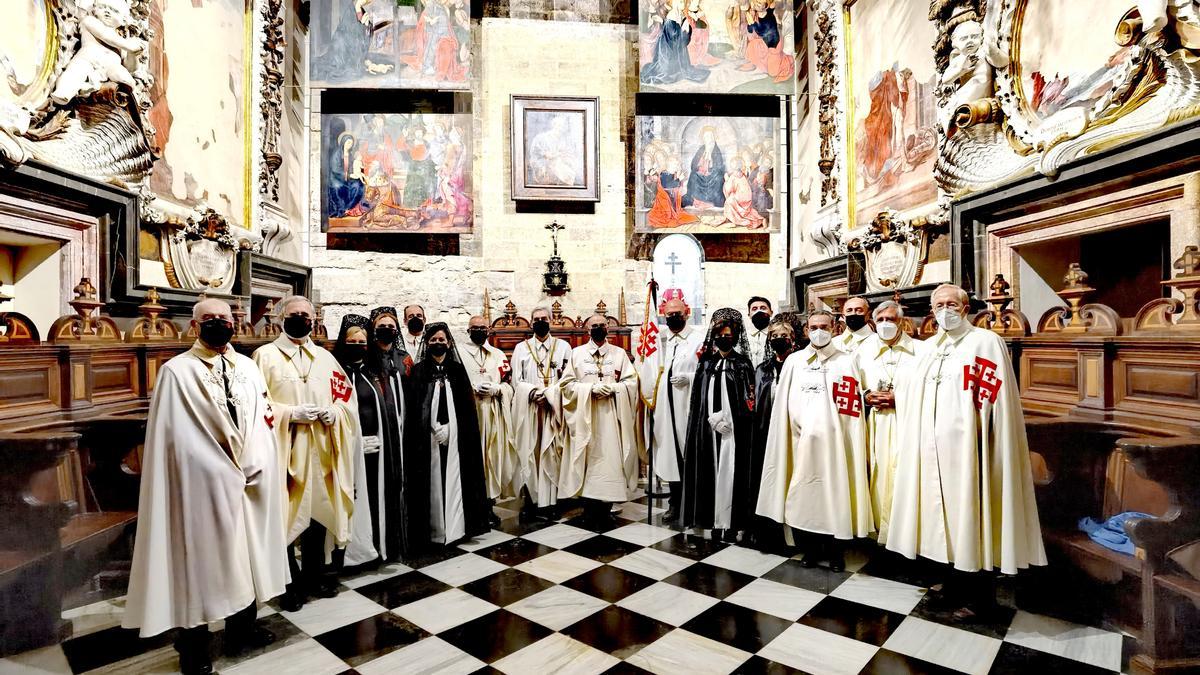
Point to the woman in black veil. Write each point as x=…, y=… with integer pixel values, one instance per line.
x=444, y=484
x=717, y=492
x=380, y=421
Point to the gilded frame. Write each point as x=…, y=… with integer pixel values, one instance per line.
x=523, y=189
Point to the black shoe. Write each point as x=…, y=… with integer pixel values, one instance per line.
x=493, y=519
x=808, y=560
x=325, y=589
x=837, y=564
x=291, y=601
x=195, y=665
x=671, y=515
x=193, y=645
x=236, y=645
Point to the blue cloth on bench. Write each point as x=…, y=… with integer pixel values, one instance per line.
x=1111, y=533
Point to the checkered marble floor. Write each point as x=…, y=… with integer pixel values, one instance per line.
x=563, y=598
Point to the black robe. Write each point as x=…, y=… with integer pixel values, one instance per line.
x=711, y=187
x=418, y=426
x=378, y=414
x=700, y=453
x=764, y=401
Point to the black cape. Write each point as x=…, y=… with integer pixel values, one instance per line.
x=764, y=401
x=699, y=474
x=417, y=449
x=379, y=395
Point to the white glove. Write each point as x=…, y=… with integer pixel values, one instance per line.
x=680, y=381
x=441, y=434
x=372, y=444
x=327, y=416
x=487, y=389
x=602, y=390
x=719, y=424
x=306, y=413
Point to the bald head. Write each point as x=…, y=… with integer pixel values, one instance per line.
x=211, y=308
x=675, y=306
x=857, y=306
x=596, y=320
x=949, y=296
x=477, y=322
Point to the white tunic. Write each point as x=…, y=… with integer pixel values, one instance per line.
x=538, y=431
x=600, y=457
x=447, y=519
x=884, y=367
x=850, y=341
x=963, y=491
x=758, y=344
x=674, y=357
x=210, y=530
x=814, y=474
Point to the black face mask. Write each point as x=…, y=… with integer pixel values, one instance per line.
x=478, y=336
x=297, y=326
x=855, y=321
x=781, y=345
x=416, y=325
x=598, y=333
x=216, y=333
x=439, y=349
x=801, y=342
x=760, y=319
x=724, y=343
x=385, y=334
x=355, y=353
x=541, y=327
x=676, y=322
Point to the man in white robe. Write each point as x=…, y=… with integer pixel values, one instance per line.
x=317, y=431
x=858, y=331
x=666, y=387
x=538, y=425
x=963, y=492
x=414, y=324
x=814, y=475
x=884, y=361
x=490, y=375
x=210, y=532
x=760, y=311
x=599, y=399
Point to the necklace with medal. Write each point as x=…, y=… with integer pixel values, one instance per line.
x=482, y=363
x=304, y=375
x=544, y=371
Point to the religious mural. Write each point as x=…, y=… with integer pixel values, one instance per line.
x=396, y=173
x=198, y=105
x=707, y=174
x=717, y=46
x=1065, y=78
x=894, y=108
x=391, y=44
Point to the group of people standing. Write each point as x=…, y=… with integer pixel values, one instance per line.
x=789, y=435
x=266, y=476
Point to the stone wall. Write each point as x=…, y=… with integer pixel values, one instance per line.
x=507, y=253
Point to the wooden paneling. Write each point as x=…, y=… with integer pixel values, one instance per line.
x=31, y=385
x=1159, y=382
x=1057, y=374
x=115, y=376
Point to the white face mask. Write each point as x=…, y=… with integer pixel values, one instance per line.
x=887, y=330
x=948, y=319
x=819, y=338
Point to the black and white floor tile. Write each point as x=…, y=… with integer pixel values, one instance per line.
x=628, y=598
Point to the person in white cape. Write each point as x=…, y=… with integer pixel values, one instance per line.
x=963, y=492
x=537, y=415
x=666, y=377
x=884, y=361
x=210, y=531
x=319, y=444
x=490, y=375
x=814, y=475
x=599, y=398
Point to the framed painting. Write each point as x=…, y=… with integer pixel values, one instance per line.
x=390, y=44
x=396, y=173
x=555, y=149
x=702, y=174
x=892, y=111
x=717, y=46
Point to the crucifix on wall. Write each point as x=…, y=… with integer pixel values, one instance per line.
x=554, y=281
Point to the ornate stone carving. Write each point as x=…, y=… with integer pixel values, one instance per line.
x=895, y=250
x=271, y=108
x=991, y=133
x=828, y=16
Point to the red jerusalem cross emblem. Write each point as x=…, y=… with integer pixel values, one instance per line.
x=981, y=379
x=339, y=386
x=845, y=397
